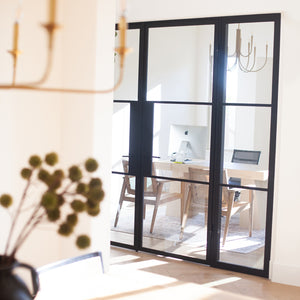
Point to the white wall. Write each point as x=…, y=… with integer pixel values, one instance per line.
x=30, y=122
x=285, y=259
x=86, y=119
x=74, y=126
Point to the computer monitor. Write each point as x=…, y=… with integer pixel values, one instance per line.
x=190, y=140
x=245, y=156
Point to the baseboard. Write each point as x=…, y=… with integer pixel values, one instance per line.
x=286, y=274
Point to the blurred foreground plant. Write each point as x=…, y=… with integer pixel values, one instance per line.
x=62, y=199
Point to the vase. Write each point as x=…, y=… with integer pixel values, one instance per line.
x=12, y=287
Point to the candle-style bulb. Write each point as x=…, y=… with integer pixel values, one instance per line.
x=16, y=36
x=122, y=28
x=52, y=11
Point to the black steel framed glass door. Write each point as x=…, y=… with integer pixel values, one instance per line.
x=194, y=141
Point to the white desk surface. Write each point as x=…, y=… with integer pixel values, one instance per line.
x=244, y=171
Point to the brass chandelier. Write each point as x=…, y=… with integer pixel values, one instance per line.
x=246, y=61
x=51, y=27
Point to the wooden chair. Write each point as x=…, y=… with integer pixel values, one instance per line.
x=230, y=204
x=196, y=193
x=154, y=194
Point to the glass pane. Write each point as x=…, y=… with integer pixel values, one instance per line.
x=181, y=138
x=166, y=204
x=129, y=87
x=244, y=244
x=250, y=64
x=122, y=208
x=246, y=147
x=120, y=135
x=180, y=63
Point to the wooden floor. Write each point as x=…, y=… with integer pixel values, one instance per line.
x=254, y=259
x=145, y=276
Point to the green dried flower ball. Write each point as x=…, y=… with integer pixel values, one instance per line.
x=44, y=175
x=60, y=200
x=26, y=173
x=83, y=241
x=53, y=214
x=78, y=205
x=75, y=173
x=82, y=188
x=72, y=219
x=93, y=211
x=92, y=203
x=49, y=200
x=96, y=194
x=95, y=182
x=91, y=165
x=51, y=159
x=6, y=200
x=35, y=161
x=54, y=183
x=65, y=229
x=59, y=173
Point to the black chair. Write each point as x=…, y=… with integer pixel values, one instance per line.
x=243, y=157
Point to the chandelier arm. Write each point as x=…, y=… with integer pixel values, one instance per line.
x=248, y=53
x=242, y=67
x=46, y=74
x=265, y=62
x=246, y=69
x=234, y=64
x=51, y=28
x=250, y=48
x=254, y=60
x=47, y=71
x=63, y=90
x=232, y=55
x=248, y=61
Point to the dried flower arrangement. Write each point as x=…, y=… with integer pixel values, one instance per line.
x=63, y=198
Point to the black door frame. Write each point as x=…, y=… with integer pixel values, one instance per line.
x=141, y=132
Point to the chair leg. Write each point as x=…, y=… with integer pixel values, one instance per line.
x=205, y=218
x=183, y=193
x=251, y=212
x=159, y=191
x=120, y=204
x=186, y=212
x=118, y=213
x=228, y=217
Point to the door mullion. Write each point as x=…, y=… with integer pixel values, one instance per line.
x=217, y=139
x=141, y=139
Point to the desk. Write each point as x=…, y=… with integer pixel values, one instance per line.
x=246, y=172
x=251, y=175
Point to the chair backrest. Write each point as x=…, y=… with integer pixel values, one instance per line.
x=199, y=174
x=246, y=156
x=128, y=180
x=150, y=184
x=199, y=191
x=74, y=275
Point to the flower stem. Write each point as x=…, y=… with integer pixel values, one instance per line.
x=16, y=217
x=24, y=235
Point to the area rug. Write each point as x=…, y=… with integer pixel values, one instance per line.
x=195, y=233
